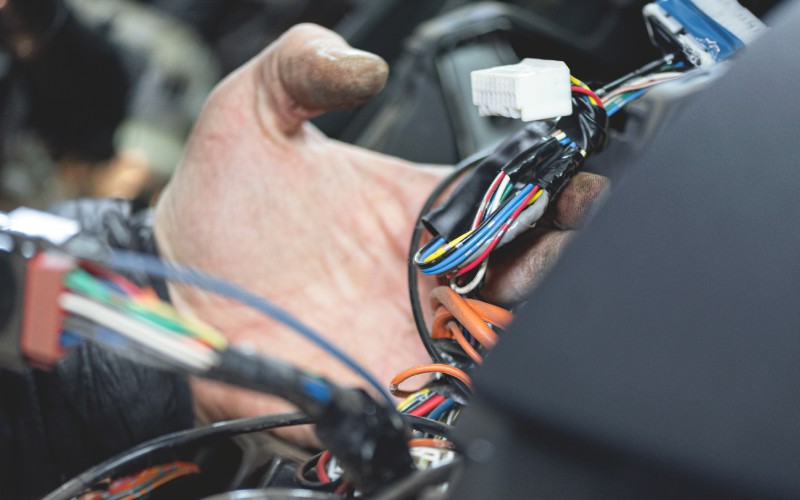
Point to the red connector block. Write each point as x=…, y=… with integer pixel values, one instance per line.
x=42, y=317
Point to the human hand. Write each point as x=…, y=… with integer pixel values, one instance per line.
x=319, y=227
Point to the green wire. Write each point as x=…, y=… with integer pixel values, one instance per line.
x=505, y=193
x=82, y=282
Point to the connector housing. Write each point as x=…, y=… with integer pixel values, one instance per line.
x=42, y=316
x=534, y=89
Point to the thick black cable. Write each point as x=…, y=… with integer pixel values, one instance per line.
x=413, y=276
x=141, y=455
x=411, y=486
x=254, y=371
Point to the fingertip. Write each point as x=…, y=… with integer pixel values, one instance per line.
x=321, y=72
x=518, y=268
x=572, y=207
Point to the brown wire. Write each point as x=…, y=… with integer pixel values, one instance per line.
x=394, y=386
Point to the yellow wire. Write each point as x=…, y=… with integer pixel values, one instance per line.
x=407, y=402
x=536, y=196
x=447, y=246
x=194, y=326
x=579, y=83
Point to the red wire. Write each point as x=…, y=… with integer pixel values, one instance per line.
x=498, y=179
x=127, y=286
x=590, y=94
x=472, y=265
x=322, y=463
x=428, y=406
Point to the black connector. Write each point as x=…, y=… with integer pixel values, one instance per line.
x=368, y=438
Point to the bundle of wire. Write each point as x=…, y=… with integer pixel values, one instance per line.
x=108, y=309
x=505, y=194
x=533, y=169
x=625, y=90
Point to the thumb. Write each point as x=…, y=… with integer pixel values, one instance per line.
x=310, y=70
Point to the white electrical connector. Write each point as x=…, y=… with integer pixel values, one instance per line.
x=534, y=89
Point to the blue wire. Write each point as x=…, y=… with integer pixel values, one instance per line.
x=474, y=242
x=432, y=247
x=441, y=409
x=565, y=141
x=134, y=262
x=70, y=339
x=478, y=239
x=317, y=390
x=632, y=97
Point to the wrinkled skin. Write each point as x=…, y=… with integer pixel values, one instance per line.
x=319, y=227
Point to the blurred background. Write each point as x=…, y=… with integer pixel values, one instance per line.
x=98, y=96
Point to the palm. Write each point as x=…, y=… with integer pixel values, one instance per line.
x=319, y=227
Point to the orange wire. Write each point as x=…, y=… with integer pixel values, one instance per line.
x=457, y=334
x=394, y=386
x=431, y=443
x=473, y=314
x=491, y=313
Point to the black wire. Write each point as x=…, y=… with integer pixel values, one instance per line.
x=412, y=485
x=428, y=426
x=667, y=59
x=413, y=277
x=140, y=455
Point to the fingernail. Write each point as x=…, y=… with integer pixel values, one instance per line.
x=337, y=53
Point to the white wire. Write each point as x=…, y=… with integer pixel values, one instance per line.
x=472, y=285
x=643, y=83
x=477, y=220
x=497, y=194
x=496, y=199
x=152, y=337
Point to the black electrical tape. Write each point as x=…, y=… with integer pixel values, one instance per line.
x=554, y=174
x=586, y=126
x=521, y=168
